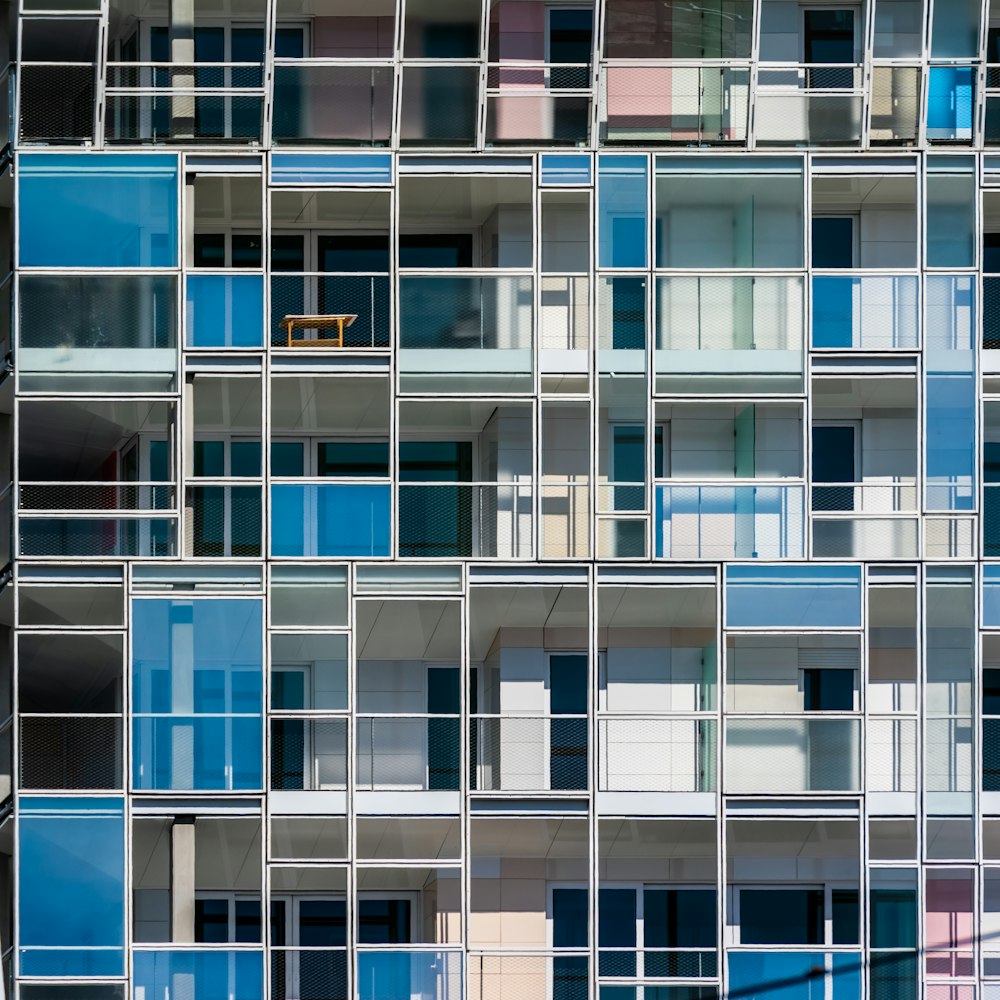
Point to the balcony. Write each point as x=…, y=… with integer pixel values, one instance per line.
x=452, y=520
x=332, y=103
x=656, y=754
x=462, y=333
x=865, y=312
x=646, y=102
x=212, y=103
x=785, y=754
x=323, y=518
x=764, y=521
x=533, y=104
x=838, y=535
x=810, y=104
x=529, y=754
x=418, y=752
x=363, y=299
x=729, y=334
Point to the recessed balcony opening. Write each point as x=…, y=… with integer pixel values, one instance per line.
x=107, y=488
x=528, y=689
x=864, y=463
x=528, y=895
x=330, y=269
x=330, y=466
x=810, y=91
x=196, y=880
x=408, y=692
x=657, y=899
x=466, y=479
x=539, y=74
x=658, y=672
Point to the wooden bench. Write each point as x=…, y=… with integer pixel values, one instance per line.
x=318, y=323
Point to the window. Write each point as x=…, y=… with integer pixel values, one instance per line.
x=226, y=919
x=797, y=916
x=828, y=689
x=568, y=736
x=834, y=461
x=829, y=47
x=569, y=42
x=834, y=241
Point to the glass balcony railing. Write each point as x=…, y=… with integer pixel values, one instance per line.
x=97, y=535
x=332, y=103
x=729, y=522
x=815, y=105
x=951, y=103
x=646, y=102
x=648, y=754
x=840, y=537
x=325, y=310
x=465, y=333
x=224, y=310
x=414, y=752
x=455, y=520
x=149, y=102
x=565, y=516
x=529, y=753
x=895, y=105
x=97, y=332
x=865, y=312
x=898, y=495
x=397, y=974
x=207, y=974
x=782, y=754
x=777, y=975
x=729, y=334
x=564, y=323
x=330, y=519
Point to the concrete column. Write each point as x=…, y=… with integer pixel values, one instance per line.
x=182, y=880
x=182, y=51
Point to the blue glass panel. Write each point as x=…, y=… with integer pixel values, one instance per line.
x=558, y=168
x=833, y=311
x=330, y=519
x=197, y=694
x=622, y=211
x=344, y=168
x=950, y=92
x=71, y=886
x=225, y=310
x=793, y=596
x=206, y=975
x=793, y=975
x=991, y=596
x=406, y=975
x=97, y=210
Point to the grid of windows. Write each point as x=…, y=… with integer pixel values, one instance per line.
x=504, y=500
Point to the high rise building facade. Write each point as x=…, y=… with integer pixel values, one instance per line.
x=504, y=500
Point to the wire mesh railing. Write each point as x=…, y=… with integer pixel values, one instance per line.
x=439, y=520
x=529, y=753
x=648, y=754
x=891, y=754
x=564, y=320
x=158, y=101
x=223, y=519
x=815, y=104
x=418, y=752
x=308, y=754
x=330, y=310
x=865, y=312
x=565, y=515
x=528, y=975
x=56, y=102
x=657, y=963
x=70, y=752
x=96, y=535
x=901, y=495
x=308, y=973
x=100, y=497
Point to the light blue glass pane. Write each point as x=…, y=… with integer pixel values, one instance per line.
x=793, y=596
x=622, y=211
x=97, y=210
x=955, y=29
x=409, y=975
x=833, y=311
x=71, y=869
x=949, y=102
x=336, y=519
x=846, y=976
x=204, y=975
x=991, y=596
x=565, y=169
x=951, y=441
x=792, y=975
x=951, y=219
x=72, y=962
x=225, y=310
x=344, y=168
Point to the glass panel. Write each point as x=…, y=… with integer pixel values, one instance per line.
x=622, y=211
x=71, y=887
x=787, y=597
x=98, y=210
x=206, y=975
x=951, y=216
